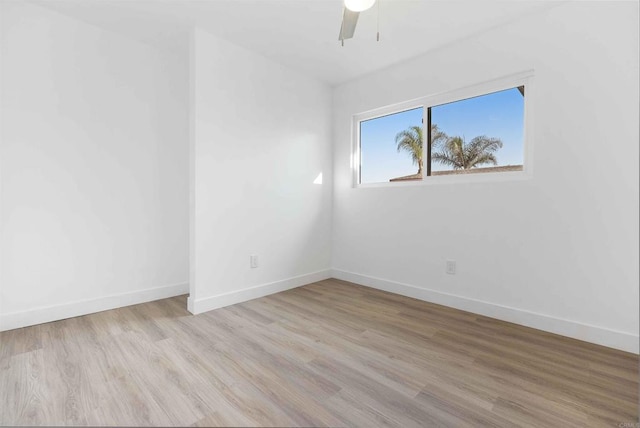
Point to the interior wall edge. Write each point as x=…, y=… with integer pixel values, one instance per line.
x=198, y=306
x=41, y=315
x=589, y=333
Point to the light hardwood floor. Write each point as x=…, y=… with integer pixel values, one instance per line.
x=330, y=353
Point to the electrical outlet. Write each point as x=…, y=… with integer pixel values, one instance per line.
x=253, y=261
x=451, y=267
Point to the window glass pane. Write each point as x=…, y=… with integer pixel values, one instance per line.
x=391, y=147
x=481, y=134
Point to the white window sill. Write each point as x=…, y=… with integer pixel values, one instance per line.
x=486, y=177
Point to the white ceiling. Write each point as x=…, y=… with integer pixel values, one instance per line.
x=303, y=34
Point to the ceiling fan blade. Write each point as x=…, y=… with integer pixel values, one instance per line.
x=348, y=27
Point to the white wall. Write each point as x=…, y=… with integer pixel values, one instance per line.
x=94, y=176
x=261, y=135
x=94, y=161
x=558, y=252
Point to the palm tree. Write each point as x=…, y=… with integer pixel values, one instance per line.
x=410, y=140
x=458, y=154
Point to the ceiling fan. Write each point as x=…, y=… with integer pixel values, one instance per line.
x=352, y=9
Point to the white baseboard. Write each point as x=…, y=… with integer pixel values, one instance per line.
x=589, y=333
x=45, y=314
x=198, y=306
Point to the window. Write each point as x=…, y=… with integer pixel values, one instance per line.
x=379, y=157
x=467, y=132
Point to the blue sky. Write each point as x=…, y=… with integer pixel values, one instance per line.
x=499, y=115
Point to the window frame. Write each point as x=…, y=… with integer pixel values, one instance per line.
x=525, y=79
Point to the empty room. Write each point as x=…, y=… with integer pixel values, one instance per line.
x=343, y=213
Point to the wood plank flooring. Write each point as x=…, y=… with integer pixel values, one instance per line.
x=327, y=354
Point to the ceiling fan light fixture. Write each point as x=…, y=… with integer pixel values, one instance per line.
x=358, y=5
